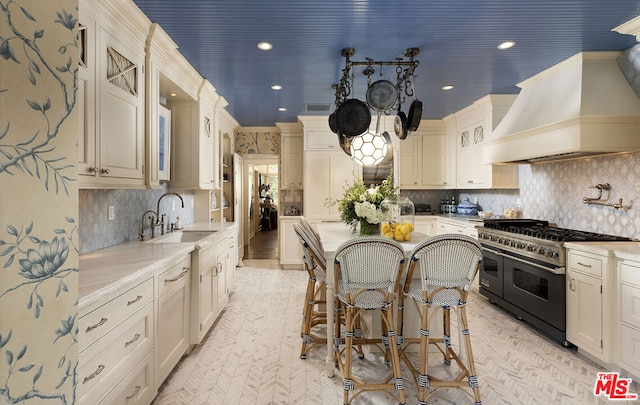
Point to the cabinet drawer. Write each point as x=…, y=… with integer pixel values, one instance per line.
x=136, y=387
x=630, y=305
x=629, y=274
x=103, y=363
x=630, y=349
x=173, y=275
x=585, y=264
x=97, y=323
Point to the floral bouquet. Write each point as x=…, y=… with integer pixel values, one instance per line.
x=361, y=205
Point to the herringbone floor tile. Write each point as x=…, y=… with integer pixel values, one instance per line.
x=251, y=357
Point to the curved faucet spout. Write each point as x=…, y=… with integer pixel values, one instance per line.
x=166, y=194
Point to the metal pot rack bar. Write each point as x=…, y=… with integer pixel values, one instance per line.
x=404, y=71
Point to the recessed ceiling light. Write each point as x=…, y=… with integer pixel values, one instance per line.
x=172, y=94
x=447, y=87
x=265, y=46
x=282, y=109
x=276, y=87
x=506, y=45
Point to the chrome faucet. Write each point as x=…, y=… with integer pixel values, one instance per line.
x=159, y=219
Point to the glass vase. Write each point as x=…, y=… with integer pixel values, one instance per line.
x=367, y=229
x=398, y=215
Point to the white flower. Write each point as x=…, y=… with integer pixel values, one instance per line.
x=368, y=211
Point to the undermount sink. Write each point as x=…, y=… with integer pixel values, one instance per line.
x=182, y=237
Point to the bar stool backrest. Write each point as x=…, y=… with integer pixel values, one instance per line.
x=370, y=263
x=313, y=256
x=448, y=260
x=311, y=232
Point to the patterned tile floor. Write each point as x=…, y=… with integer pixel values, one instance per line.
x=251, y=356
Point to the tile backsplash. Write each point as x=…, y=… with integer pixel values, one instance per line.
x=549, y=191
x=95, y=231
x=554, y=192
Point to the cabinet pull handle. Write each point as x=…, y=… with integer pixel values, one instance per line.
x=214, y=271
x=100, y=323
x=138, y=298
x=185, y=270
x=571, y=285
x=94, y=374
x=584, y=265
x=136, y=337
x=105, y=171
x=219, y=268
x=134, y=393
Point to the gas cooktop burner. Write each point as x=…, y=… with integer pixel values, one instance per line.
x=542, y=230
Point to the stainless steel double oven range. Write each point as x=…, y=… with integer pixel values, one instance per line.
x=523, y=269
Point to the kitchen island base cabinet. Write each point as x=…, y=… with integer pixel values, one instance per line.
x=172, y=335
x=290, y=248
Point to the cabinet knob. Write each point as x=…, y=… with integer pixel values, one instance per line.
x=105, y=171
x=93, y=169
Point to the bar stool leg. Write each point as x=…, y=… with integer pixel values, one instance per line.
x=394, y=353
x=473, y=377
x=347, y=383
x=423, y=377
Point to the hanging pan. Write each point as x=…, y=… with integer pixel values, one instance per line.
x=332, y=123
x=400, y=125
x=352, y=118
x=382, y=95
x=415, y=112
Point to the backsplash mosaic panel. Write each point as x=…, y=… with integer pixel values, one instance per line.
x=554, y=192
x=97, y=232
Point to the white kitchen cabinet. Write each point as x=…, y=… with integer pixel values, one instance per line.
x=112, y=98
x=136, y=388
x=326, y=173
x=629, y=315
x=321, y=139
x=231, y=261
x=204, y=291
x=426, y=158
x=475, y=125
x=290, y=248
x=425, y=224
x=590, y=315
x=454, y=226
x=113, y=338
x=172, y=320
x=169, y=77
x=221, y=275
x=193, y=143
x=291, y=156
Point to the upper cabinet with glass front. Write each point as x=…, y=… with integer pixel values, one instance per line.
x=171, y=82
x=111, y=94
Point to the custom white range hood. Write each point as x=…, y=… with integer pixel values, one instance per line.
x=582, y=106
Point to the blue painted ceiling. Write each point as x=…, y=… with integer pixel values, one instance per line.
x=457, y=40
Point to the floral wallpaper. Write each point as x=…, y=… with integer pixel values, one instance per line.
x=38, y=235
x=257, y=143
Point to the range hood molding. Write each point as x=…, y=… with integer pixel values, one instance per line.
x=580, y=107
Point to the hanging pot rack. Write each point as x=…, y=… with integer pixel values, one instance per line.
x=405, y=70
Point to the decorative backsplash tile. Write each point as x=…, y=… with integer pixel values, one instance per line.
x=97, y=232
x=554, y=192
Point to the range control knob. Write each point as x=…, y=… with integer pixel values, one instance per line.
x=542, y=250
x=552, y=253
x=531, y=247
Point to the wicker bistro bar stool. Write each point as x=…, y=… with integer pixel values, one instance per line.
x=448, y=264
x=315, y=264
x=367, y=274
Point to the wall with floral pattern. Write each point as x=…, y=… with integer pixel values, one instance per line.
x=39, y=208
x=257, y=142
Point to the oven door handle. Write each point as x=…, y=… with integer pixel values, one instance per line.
x=554, y=270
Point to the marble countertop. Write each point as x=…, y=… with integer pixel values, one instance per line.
x=106, y=271
x=622, y=250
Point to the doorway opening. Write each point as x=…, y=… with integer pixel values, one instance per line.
x=262, y=210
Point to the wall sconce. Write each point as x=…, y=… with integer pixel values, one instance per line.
x=369, y=148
